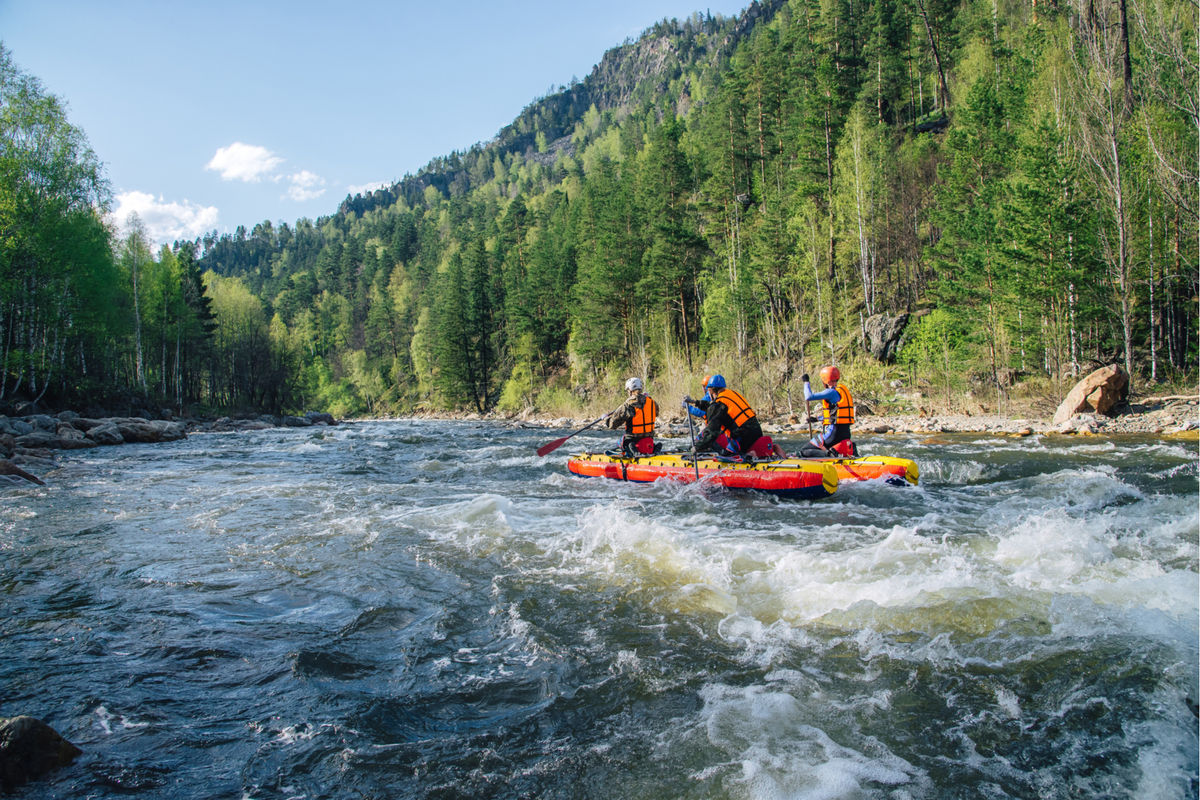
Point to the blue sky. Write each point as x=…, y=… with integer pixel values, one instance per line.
x=214, y=114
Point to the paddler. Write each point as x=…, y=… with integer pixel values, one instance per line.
x=637, y=415
x=700, y=409
x=727, y=413
x=838, y=408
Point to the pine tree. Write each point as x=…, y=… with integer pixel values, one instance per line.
x=671, y=260
x=972, y=278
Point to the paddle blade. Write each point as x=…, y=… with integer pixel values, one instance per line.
x=550, y=447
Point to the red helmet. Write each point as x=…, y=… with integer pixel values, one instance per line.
x=830, y=375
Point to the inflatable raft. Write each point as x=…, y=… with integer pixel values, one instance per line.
x=786, y=477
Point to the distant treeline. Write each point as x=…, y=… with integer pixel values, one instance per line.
x=1019, y=183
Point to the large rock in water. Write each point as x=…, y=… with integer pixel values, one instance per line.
x=884, y=334
x=1098, y=392
x=29, y=748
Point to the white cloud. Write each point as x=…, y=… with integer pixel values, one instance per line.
x=244, y=162
x=165, y=222
x=367, y=188
x=305, y=186
x=251, y=163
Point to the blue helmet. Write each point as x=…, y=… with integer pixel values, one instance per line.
x=715, y=382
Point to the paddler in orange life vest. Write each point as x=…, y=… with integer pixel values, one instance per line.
x=700, y=409
x=838, y=408
x=638, y=416
x=727, y=413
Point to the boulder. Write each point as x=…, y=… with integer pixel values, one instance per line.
x=8, y=445
x=884, y=333
x=318, y=417
x=105, y=432
x=138, y=429
x=67, y=438
x=66, y=430
x=250, y=425
x=37, y=439
x=171, y=430
x=296, y=422
x=1099, y=392
x=29, y=748
x=43, y=422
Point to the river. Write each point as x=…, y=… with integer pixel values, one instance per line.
x=418, y=609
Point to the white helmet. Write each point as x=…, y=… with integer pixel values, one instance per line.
x=633, y=385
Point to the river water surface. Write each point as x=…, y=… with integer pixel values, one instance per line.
x=420, y=609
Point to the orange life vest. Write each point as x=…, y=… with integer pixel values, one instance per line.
x=739, y=410
x=642, y=423
x=843, y=412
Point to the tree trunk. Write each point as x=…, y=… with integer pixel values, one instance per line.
x=1126, y=64
x=137, y=331
x=943, y=89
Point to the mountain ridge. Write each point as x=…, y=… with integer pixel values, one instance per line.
x=636, y=71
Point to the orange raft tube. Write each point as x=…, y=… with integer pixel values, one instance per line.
x=896, y=471
x=786, y=477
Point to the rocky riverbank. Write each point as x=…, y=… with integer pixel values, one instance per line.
x=30, y=444
x=1156, y=416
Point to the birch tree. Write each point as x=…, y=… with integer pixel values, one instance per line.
x=1102, y=94
x=859, y=186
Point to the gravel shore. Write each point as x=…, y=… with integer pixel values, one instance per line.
x=1156, y=416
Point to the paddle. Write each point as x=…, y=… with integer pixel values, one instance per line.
x=550, y=447
x=807, y=413
x=687, y=412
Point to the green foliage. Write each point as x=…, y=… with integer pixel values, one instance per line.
x=736, y=192
x=937, y=344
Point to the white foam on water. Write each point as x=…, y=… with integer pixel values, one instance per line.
x=774, y=749
x=618, y=542
x=1114, y=558
x=767, y=590
x=901, y=569
x=1008, y=702
x=1172, y=450
x=479, y=524
x=968, y=566
x=957, y=471
x=1167, y=764
x=628, y=663
x=107, y=721
x=1093, y=448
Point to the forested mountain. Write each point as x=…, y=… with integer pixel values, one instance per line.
x=1014, y=186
